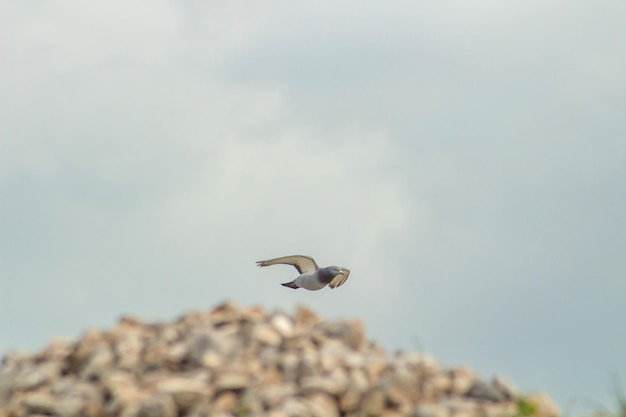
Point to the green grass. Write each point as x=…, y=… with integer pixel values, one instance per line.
x=525, y=407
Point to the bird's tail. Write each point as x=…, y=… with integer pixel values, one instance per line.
x=291, y=284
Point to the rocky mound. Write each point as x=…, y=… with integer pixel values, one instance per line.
x=230, y=362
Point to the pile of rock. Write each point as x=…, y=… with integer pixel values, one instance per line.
x=232, y=362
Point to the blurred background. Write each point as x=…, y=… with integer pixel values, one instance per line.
x=467, y=162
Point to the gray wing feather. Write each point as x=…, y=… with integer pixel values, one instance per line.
x=304, y=264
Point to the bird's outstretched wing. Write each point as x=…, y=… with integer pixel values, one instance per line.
x=340, y=279
x=304, y=264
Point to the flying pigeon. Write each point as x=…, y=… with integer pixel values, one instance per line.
x=311, y=277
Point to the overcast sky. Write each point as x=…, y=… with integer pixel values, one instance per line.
x=466, y=160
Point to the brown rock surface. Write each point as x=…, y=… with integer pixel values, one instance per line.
x=243, y=362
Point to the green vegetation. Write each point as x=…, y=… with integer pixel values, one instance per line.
x=525, y=408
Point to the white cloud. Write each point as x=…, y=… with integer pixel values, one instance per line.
x=464, y=160
x=74, y=35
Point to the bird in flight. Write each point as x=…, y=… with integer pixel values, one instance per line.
x=311, y=277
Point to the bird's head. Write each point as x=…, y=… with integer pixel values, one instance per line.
x=327, y=274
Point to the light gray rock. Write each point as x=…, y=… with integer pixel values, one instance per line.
x=354, y=360
x=441, y=384
x=306, y=319
x=157, y=406
x=276, y=413
x=98, y=362
x=288, y=364
x=200, y=409
x=229, y=362
x=58, y=349
x=334, y=383
x=185, y=391
x=295, y=407
x=359, y=380
x=232, y=381
x=505, y=388
x=283, y=324
x=84, y=348
x=70, y=406
x=400, y=389
x=322, y=405
x=267, y=334
x=34, y=376
x=350, y=332
x=429, y=410
x=350, y=400
x=481, y=391
x=75, y=397
x=129, y=350
x=462, y=380
x=225, y=402
x=373, y=402
x=497, y=409
x=460, y=407
x=274, y=394
x=39, y=403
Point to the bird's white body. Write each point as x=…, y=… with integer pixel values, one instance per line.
x=310, y=282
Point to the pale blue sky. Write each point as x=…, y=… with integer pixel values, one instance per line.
x=467, y=161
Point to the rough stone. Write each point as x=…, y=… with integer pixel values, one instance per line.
x=157, y=406
x=274, y=394
x=268, y=335
x=185, y=391
x=39, y=403
x=232, y=381
x=481, y=391
x=441, y=383
x=58, y=349
x=322, y=405
x=226, y=402
x=35, y=376
x=373, y=402
x=276, y=413
x=358, y=380
x=350, y=400
x=295, y=407
x=282, y=324
x=97, y=363
x=230, y=362
x=460, y=407
x=429, y=410
x=462, y=380
x=335, y=383
x=504, y=387
x=305, y=319
x=201, y=409
x=400, y=389
x=129, y=349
